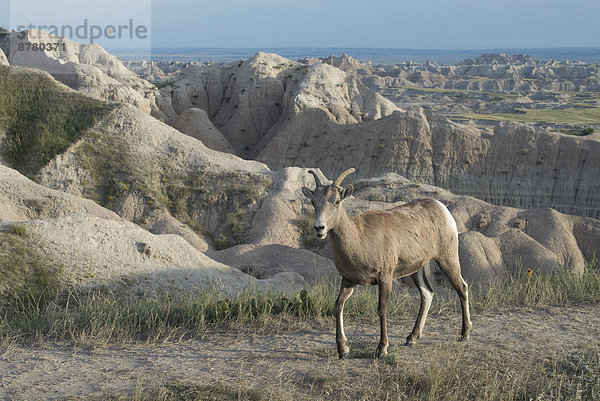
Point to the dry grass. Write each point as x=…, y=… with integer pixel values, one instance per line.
x=445, y=370
x=38, y=312
x=451, y=373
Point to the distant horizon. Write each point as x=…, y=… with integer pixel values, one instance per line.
x=365, y=47
x=378, y=55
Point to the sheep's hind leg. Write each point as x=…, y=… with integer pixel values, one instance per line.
x=340, y=337
x=420, y=280
x=452, y=270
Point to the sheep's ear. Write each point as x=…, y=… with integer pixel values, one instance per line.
x=347, y=191
x=307, y=192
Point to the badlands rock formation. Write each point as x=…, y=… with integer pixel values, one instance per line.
x=162, y=178
x=159, y=71
x=3, y=59
x=87, y=68
x=23, y=199
x=489, y=72
x=515, y=165
x=97, y=249
x=195, y=123
x=249, y=101
x=263, y=261
x=291, y=114
x=121, y=256
x=150, y=173
x=491, y=84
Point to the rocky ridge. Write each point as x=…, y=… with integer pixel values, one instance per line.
x=561, y=96
x=515, y=165
x=489, y=72
x=97, y=249
x=87, y=68
x=151, y=174
x=249, y=100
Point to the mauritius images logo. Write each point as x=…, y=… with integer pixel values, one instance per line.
x=91, y=33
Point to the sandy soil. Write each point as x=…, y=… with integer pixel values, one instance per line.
x=289, y=357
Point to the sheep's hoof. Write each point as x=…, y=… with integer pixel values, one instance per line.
x=343, y=350
x=410, y=344
x=379, y=354
x=463, y=339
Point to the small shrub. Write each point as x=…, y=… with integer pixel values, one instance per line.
x=305, y=225
x=235, y=220
x=28, y=281
x=377, y=197
x=17, y=229
x=221, y=242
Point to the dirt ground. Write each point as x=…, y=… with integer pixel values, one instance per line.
x=289, y=357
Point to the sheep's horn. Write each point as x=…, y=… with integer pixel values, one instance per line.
x=316, y=178
x=338, y=181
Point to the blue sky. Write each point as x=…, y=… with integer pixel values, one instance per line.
x=419, y=24
x=447, y=24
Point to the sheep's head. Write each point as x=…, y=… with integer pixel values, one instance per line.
x=327, y=200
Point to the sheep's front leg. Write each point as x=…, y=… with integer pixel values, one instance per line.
x=385, y=289
x=340, y=338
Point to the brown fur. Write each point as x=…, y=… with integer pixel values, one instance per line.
x=380, y=246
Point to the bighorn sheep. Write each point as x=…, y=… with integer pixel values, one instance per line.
x=380, y=246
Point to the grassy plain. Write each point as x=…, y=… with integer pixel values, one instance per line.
x=570, y=115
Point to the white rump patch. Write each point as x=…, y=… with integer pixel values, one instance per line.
x=449, y=217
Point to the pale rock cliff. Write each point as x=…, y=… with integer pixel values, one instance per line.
x=87, y=68
x=248, y=101
x=515, y=165
x=3, y=59
x=195, y=123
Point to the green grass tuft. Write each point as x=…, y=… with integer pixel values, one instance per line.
x=40, y=119
x=305, y=223
x=29, y=283
x=558, y=288
x=17, y=229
